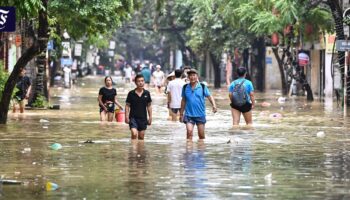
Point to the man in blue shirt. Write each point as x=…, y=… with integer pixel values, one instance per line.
x=193, y=103
x=245, y=109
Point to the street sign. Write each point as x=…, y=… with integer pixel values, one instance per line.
x=343, y=45
x=77, y=49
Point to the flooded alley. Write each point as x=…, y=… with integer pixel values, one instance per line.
x=295, y=150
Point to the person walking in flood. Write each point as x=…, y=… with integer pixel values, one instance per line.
x=174, y=90
x=24, y=87
x=192, y=110
x=107, y=97
x=241, y=94
x=158, y=79
x=138, y=105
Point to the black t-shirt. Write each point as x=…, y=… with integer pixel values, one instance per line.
x=22, y=85
x=138, y=105
x=107, y=94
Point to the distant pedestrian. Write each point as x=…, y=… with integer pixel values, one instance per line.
x=192, y=110
x=184, y=76
x=24, y=87
x=174, y=90
x=158, y=79
x=138, y=105
x=241, y=93
x=128, y=71
x=146, y=73
x=107, y=97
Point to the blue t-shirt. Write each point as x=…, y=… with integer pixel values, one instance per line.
x=146, y=74
x=247, y=84
x=195, y=101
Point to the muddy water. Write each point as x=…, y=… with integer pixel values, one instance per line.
x=279, y=158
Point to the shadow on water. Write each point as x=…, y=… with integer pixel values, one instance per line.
x=301, y=153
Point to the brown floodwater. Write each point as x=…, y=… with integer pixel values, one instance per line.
x=304, y=154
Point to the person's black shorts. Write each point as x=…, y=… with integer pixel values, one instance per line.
x=110, y=108
x=139, y=124
x=243, y=109
x=175, y=110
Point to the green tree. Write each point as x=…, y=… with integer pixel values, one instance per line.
x=81, y=18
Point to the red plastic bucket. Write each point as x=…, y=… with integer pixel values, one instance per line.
x=120, y=116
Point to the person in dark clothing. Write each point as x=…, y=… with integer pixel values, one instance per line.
x=138, y=105
x=24, y=87
x=107, y=97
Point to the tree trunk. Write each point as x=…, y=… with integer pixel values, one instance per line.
x=339, y=29
x=39, y=88
x=280, y=66
x=217, y=72
x=39, y=45
x=259, y=46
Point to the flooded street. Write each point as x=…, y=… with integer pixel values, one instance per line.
x=304, y=154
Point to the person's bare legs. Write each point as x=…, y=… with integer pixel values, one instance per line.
x=201, y=134
x=21, y=106
x=110, y=116
x=173, y=116
x=248, y=117
x=103, y=116
x=189, y=128
x=134, y=133
x=236, y=116
x=141, y=135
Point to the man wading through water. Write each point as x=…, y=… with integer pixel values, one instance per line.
x=138, y=104
x=193, y=104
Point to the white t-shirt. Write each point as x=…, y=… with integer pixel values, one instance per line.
x=158, y=78
x=175, y=90
x=128, y=72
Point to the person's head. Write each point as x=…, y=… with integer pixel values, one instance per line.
x=178, y=73
x=241, y=71
x=22, y=72
x=108, y=81
x=139, y=81
x=192, y=75
x=158, y=67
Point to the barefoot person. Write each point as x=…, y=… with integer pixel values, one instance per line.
x=241, y=93
x=107, y=97
x=24, y=86
x=192, y=110
x=138, y=105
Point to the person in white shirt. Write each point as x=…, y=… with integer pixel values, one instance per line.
x=158, y=79
x=128, y=73
x=174, y=90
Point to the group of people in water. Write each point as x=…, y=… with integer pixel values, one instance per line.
x=185, y=100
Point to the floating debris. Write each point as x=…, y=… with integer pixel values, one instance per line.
x=89, y=142
x=10, y=182
x=320, y=134
x=56, y=146
x=44, y=121
x=50, y=186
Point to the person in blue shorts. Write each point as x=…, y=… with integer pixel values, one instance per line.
x=248, y=105
x=192, y=111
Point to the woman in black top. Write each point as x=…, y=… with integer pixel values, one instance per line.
x=107, y=97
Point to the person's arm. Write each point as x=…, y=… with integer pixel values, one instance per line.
x=28, y=91
x=127, y=112
x=252, y=98
x=169, y=99
x=230, y=96
x=99, y=98
x=117, y=102
x=149, y=110
x=212, y=101
x=182, y=109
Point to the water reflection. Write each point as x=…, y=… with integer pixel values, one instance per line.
x=137, y=170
